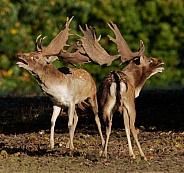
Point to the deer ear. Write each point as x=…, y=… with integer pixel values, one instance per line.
x=141, y=59
x=137, y=60
x=51, y=59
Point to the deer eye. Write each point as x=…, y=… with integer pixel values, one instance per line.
x=150, y=60
x=36, y=57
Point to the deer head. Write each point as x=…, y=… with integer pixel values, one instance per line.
x=140, y=69
x=45, y=55
x=56, y=48
x=149, y=66
x=34, y=61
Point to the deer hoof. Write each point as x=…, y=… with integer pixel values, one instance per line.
x=51, y=145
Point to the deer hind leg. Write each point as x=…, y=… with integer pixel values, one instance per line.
x=107, y=115
x=127, y=130
x=56, y=111
x=93, y=102
x=108, y=124
x=132, y=116
x=72, y=122
x=135, y=133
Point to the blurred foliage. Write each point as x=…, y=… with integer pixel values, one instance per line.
x=159, y=23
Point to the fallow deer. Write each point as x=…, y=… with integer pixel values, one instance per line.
x=65, y=86
x=118, y=90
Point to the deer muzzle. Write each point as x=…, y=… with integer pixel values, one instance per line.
x=21, y=63
x=160, y=68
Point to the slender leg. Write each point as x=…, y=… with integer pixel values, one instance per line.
x=127, y=129
x=97, y=120
x=56, y=111
x=132, y=115
x=71, y=110
x=108, y=132
x=107, y=114
x=94, y=105
x=75, y=122
x=135, y=133
x=73, y=127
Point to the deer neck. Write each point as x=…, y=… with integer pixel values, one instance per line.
x=134, y=74
x=137, y=77
x=46, y=75
x=140, y=85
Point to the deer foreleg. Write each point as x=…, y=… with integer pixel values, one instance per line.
x=71, y=112
x=74, y=122
x=72, y=131
x=56, y=111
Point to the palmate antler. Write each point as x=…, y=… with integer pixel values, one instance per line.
x=90, y=49
x=79, y=56
x=123, y=49
x=93, y=49
x=99, y=55
x=57, y=45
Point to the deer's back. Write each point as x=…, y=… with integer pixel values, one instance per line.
x=79, y=78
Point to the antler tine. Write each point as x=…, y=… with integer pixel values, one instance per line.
x=123, y=48
x=59, y=42
x=81, y=30
x=87, y=27
x=88, y=33
x=37, y=45
x=94, y=34
x=41, y=41
x=37, y=38
x=99, y=37
x=142, y=48
x=68, y=20
x=112, y=28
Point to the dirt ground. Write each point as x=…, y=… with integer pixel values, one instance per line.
x=25, y=128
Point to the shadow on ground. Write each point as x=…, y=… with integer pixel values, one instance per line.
x=156, y=110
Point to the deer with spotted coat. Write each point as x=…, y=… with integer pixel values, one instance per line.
x=118, y=90
x=65, y=86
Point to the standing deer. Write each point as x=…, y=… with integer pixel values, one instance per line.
x=118, y=90
x=67, y=86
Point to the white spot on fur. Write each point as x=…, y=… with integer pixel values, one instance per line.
x=123, y=87
x=113, y=89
